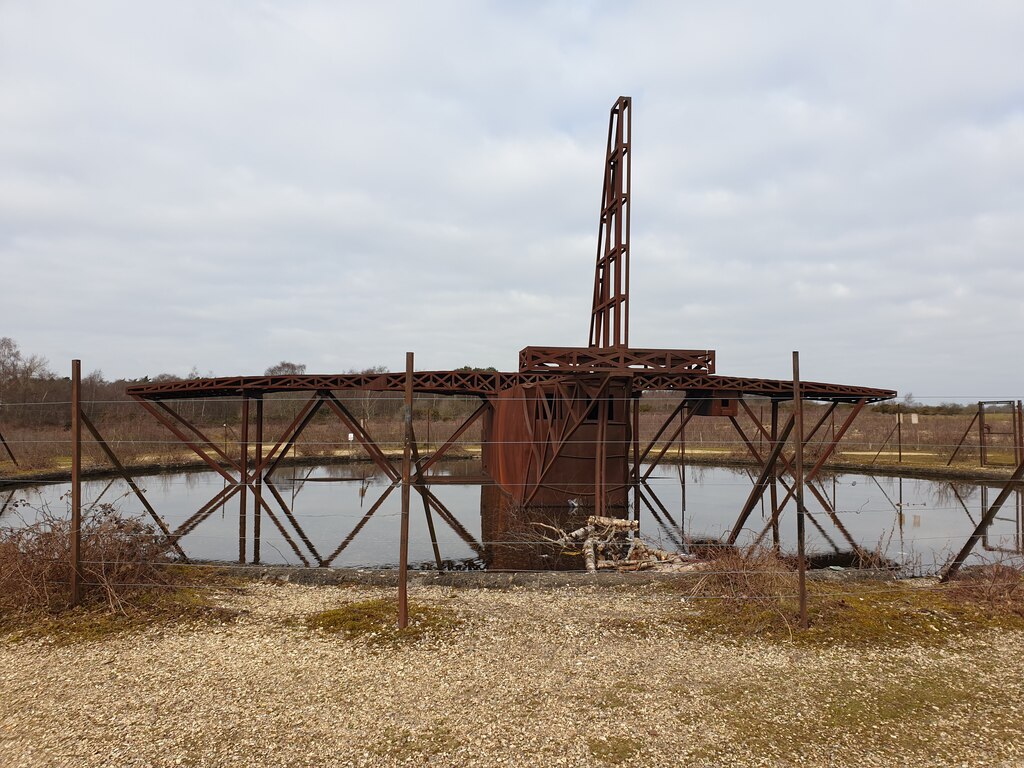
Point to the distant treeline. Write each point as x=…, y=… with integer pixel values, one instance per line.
x=942, y=409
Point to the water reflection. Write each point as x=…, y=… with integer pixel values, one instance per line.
x=347, y=515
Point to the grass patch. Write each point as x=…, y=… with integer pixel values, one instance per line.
x=376, y=621
x=146, y=609
x=898, y=711
x=614, y=750
x=750, y=595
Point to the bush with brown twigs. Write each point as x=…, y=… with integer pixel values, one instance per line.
x=996, y=585
x=119, y=555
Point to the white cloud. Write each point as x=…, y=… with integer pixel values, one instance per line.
x=227, y=185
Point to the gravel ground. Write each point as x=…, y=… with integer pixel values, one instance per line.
x=569, y=676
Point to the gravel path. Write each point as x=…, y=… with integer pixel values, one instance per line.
x=546, y=677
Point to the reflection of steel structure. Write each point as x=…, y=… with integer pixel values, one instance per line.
x=563, y=428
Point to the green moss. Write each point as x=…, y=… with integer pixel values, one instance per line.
x=141, y=610
x=614, y=750
x=376, y=621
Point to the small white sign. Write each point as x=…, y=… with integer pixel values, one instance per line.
x=351, y=437
x=913, y=418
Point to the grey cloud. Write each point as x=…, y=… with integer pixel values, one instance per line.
x=226, y=185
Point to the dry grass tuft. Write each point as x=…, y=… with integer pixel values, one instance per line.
x=750, y=593
x=997, y=586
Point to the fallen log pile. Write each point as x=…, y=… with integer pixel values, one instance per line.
x=608, y=543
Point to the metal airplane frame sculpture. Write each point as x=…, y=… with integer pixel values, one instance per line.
x=563, y=428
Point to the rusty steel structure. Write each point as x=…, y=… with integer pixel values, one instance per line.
x=562, y=430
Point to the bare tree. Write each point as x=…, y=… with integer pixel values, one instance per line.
x=285, y=368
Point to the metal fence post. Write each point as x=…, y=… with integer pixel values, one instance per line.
x=403, y=556
x=76, y=482
x=798, y=405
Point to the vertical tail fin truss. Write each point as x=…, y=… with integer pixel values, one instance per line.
x=609, y=321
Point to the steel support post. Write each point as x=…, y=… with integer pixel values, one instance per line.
x=798, y=405
x=682, y=475
x=76, y=482
x=418, y=482
x=243, y=477
x=774, y=479
x=636, y=459
x=982, y=438
x=257, y=511
x=403, y=555
x=600, y=450
x=899, y=436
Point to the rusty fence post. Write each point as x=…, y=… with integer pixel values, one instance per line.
x=258, y=486
x=76, y=482
x=798, y=405
x=899, y=435
x=403, y=554
x=243, y=477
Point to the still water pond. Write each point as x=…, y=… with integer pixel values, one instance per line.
x=914, y=523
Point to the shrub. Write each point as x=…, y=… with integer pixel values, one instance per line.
x=120, y=555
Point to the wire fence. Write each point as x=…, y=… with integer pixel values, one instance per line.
x=345, y=514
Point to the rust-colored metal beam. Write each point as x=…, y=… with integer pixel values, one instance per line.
x=362, y=436
x=664, y=448
x=447, y=445
x=620, y=360
x=575, y=418
x=762, y=482
x=272, y=487
x=362, y=522
x=214, y=465
x=223, y=496
x=126, y=476
x=609, y=320
x=292, y=433
x=203, y=438
x=427, y=514
x=486, y=383
x=830, y=447
x=661, y=429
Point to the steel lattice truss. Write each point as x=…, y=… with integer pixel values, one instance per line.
x=560, y=374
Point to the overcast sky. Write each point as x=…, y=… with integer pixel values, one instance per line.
x=223, y=185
